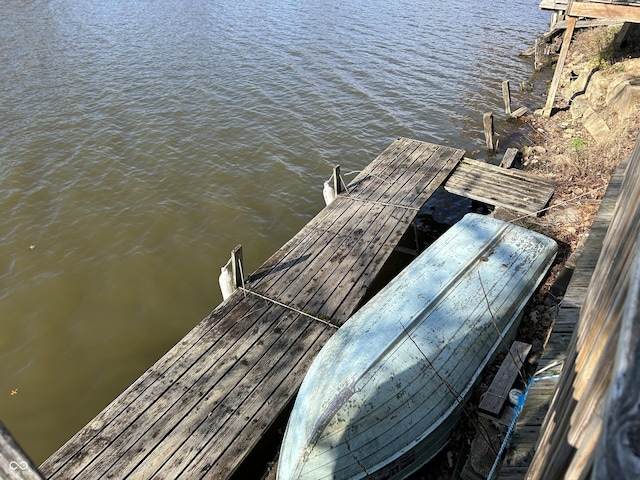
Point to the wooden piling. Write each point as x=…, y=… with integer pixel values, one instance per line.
x=236, y=266
x=337, y=181
x=506, y=96
x=487, y=120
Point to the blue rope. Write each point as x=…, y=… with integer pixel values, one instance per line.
x=517, y=410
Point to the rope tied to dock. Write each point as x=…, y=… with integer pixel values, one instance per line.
x=289, y=307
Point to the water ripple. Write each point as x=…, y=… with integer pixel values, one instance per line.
x=141, y=140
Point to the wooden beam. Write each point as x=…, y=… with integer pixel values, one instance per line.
x=509, y=158
x=626, y=13
x=498, y=391
x=506, y=96
x=487, y=120
x=566, y=41
x=519, y=112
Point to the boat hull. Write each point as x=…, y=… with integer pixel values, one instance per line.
x=382, y=396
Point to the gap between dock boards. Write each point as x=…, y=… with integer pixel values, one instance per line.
x=204, y=406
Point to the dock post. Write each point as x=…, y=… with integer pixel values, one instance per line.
x=337, y=181
x=564, y=50
x=231, y=276
x=487, y=120
x=236, y=266
x=537, y=56
x=506, y=96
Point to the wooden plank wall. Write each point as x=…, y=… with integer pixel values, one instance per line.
x=544, y=384
x=590, y=386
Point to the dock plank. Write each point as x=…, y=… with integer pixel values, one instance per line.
x=153, y=410
x=289, y=282
x=202, y=408
x=509, y=188
x=238, y=435
x=495, y=396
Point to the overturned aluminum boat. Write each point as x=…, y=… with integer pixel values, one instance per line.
x=384, y=393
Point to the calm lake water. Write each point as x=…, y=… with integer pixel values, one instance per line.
x=141, y=140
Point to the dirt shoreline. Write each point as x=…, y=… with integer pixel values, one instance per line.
x=579, y=151
x=594, y=127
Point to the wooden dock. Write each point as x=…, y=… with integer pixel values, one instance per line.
x=502, y=187
x=203, y=408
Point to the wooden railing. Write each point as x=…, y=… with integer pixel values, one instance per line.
x=593, y=423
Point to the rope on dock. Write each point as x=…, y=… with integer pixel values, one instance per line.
x=245, y=290
x=330, y=194
x=378, y=177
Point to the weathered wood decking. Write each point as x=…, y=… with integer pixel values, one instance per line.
x=203, y=407
x=509, y=188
